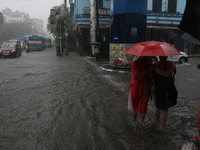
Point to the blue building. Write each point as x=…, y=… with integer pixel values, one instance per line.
x=128, y=26
x=163, y=18
x=81, y=14
x=157, y=14
x=165, y=12
x=129, y=21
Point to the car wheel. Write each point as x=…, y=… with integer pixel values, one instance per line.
x=182, y=60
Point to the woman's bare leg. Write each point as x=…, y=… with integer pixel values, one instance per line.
x=197, y=138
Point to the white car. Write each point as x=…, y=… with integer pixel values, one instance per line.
x=182, y=58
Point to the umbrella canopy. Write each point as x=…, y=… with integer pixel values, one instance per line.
x=152, y=48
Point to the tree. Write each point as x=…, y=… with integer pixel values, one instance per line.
x=1, y=18
x=61, y=25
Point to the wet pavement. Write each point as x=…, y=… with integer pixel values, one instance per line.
x=69, y=103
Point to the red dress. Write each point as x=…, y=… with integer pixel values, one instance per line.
x=140, y=85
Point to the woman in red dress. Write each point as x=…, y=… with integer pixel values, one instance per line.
x=140, y=88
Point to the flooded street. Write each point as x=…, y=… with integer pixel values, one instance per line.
x=66, y=103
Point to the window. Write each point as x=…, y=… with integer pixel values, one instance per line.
x=157, y=6
x=100, y=2
x=172, y=4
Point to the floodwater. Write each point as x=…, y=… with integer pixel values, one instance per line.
x=66, y=103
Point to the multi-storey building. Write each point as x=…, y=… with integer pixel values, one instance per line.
x=13, y=17
x=10, y=16
x=165, y=12
x=81, y=13
x=162, y=20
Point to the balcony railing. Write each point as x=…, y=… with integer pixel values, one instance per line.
x=102, y=11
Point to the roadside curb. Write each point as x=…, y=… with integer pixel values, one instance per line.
x=101, y=66
x=114, y=71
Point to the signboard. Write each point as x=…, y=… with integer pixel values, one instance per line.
x=117, y=57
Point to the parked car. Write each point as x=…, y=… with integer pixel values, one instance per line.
x=182, y=58
x=11, y=48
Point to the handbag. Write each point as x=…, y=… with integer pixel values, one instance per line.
x=166, y=93
x=171, y=94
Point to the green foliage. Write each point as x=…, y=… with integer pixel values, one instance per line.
x=52, y=29
x=62, y=27
x=1, y=18
x=59, y=28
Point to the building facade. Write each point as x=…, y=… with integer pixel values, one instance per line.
x=10, y=16
x=165, y=12
x=13, y=17
x=128, y=26
x=162, y=20
x=80, y=11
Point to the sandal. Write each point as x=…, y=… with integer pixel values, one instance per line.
x=195, y=139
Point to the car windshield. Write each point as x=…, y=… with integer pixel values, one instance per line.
x=8, y=45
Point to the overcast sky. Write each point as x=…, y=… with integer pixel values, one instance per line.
x=36, y=8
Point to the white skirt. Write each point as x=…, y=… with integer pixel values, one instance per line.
x=130, y=106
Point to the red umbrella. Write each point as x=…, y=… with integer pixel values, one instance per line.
x=152, y=48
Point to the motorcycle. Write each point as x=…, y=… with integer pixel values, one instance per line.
x=27, y=48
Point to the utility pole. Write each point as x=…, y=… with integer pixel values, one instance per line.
x=93, y=24
x=60, y=38
x=65, y=28
x=65, y=8
x=97, y=21
x=94, y=30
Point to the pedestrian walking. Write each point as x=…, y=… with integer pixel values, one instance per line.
x=197, y=137
x=162, y=77
x=96, y=51
x=140, y=88
x=27, y=47
x=58, y=46
x=66, y=48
